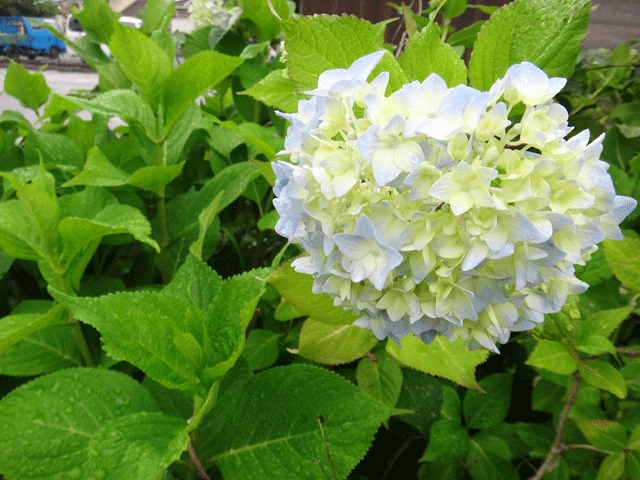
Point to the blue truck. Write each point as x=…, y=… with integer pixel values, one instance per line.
x=18, y=36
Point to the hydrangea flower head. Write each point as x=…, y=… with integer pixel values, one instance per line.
x=430, y=211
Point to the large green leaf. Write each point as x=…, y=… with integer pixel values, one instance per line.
x=119, y=103
x=448, y=442
x=490, y=458
x=296, y=287
x=426, y=53
x=451, y=360
x=97, y=19
x=192, y=78
x=604, y=434
x=138, y=446
x=547, y=33
x=319, y=43
x=276, y=90
x=48, y=350
x=624, y=258
x=28, y=225
x=552, y=356
x=484, y=410
x=30, y=89
x=142, y=60
x=157, y=14
x=603, y=375
x=185, y=209
x=266, y=23
x=429, y=400
x=185, y=336
x=99, y=171
x=380, y=378
x=332, y=344
x=31, y=318
x=48, y=424
x=51, y=148
x=282, y=438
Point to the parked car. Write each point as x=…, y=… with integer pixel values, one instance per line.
x=75, y=30
x=18, y=36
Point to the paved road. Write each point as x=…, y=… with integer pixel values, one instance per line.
x=59, y=82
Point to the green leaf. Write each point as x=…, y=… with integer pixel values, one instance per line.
x=48, y=350
x=448, y=442
x=139, y=328
x=319, y=43
x=277, y=91
x=282, y=437
x=157, y=15
x=186, y=209
x=99, y=171
x=261, y=350
x=331, y=344
x=170, y=402
x=466, y=36
x=538, y=438
x=632, y=466
x=634, y=439
x=28, y=225
x=125, y=104
x=612, y=467
x=97, y=19
x=159, y=331
x=381, y=379
x=81, y=236
x=546, y=395
x=268, y=221
x=49, y=422
x=552, y=356
x=426, y=396
x=631, y=375
x=604, y=434
x=546, y=33
x=451, y=360
x=594, y=345
x=451, y=405
x=296, y=289
x=138, y=446
x=5, y=263
x=205, y=219
x=604, y=376
x=192, y=78
x=15, y=327
x=487, y=457
x=560, y=326
x=267, y=25
x=142, y=60
x=624, y=258
x=30, y=89
x=426, y=54
x=484, y=410
x=51, y=148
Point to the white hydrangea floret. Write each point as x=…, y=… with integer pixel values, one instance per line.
x=430, y=211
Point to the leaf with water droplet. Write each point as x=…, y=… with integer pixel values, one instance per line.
x=51, y=429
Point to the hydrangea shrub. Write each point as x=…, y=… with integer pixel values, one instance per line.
x=437, y=210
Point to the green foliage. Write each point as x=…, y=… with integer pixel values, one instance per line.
x=547, y=33
x=200, y=344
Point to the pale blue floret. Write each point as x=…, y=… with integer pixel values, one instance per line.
x=368, y=256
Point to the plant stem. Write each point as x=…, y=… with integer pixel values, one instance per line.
x=82, y=342
x=196, y=461
x=557, y=448
x=162, y=221
x=77, y=328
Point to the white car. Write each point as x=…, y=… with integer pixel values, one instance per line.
x=75, y=30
